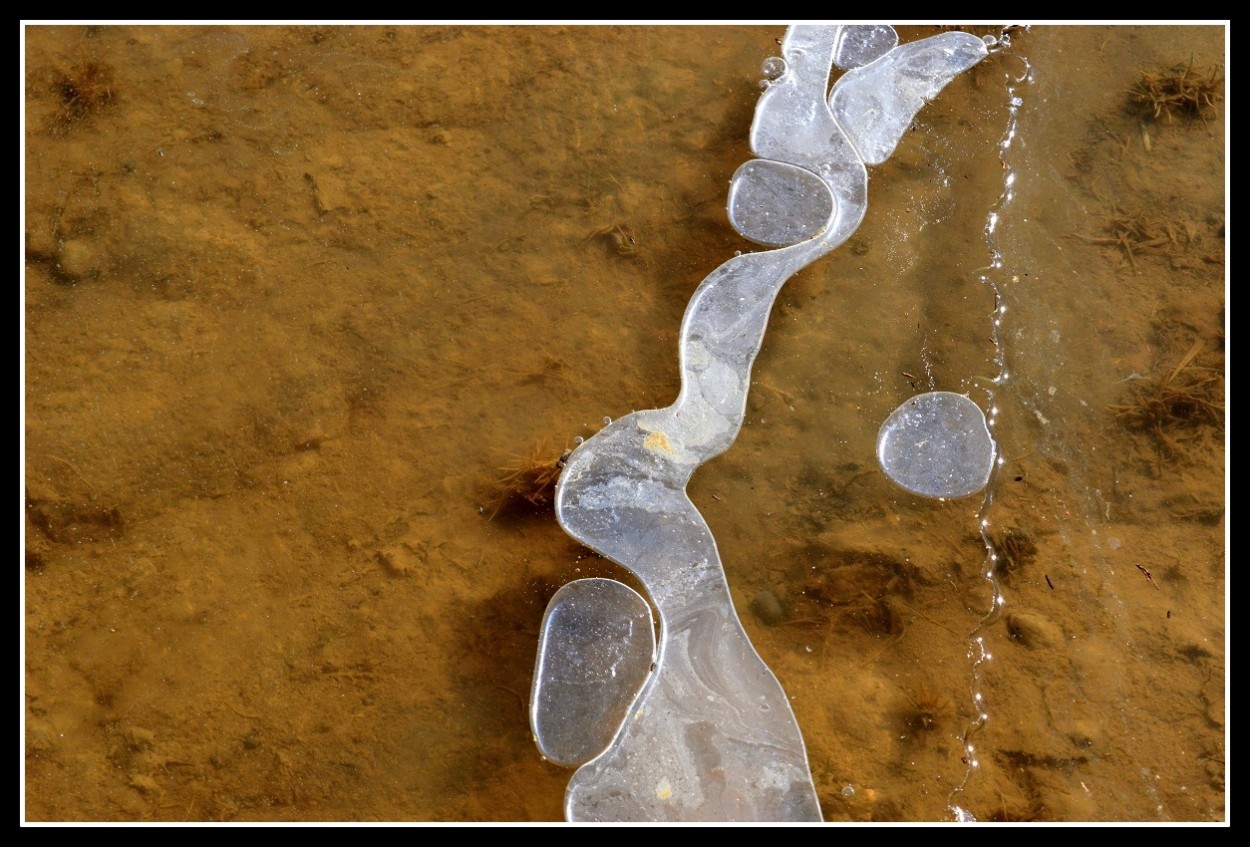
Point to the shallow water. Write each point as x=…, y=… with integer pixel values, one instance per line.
x=298, y=298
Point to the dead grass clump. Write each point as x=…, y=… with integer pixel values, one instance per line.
x=867, y=592
x=527, y=483
x=1178, y=91
x=85, y=88
x=925, y=710
x=1135, y=234
x=1015, y=548
x=1175, y=408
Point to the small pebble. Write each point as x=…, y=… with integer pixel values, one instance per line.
x=1034, y=630
x=768, y=608
x=78, y=260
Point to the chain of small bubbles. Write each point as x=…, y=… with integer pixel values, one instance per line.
x=978, y=651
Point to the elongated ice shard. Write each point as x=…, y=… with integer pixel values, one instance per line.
x=711, y=736
x=876, y=103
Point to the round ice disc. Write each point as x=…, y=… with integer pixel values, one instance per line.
x=595, y=651
x=937, y=445
x=778, y=204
